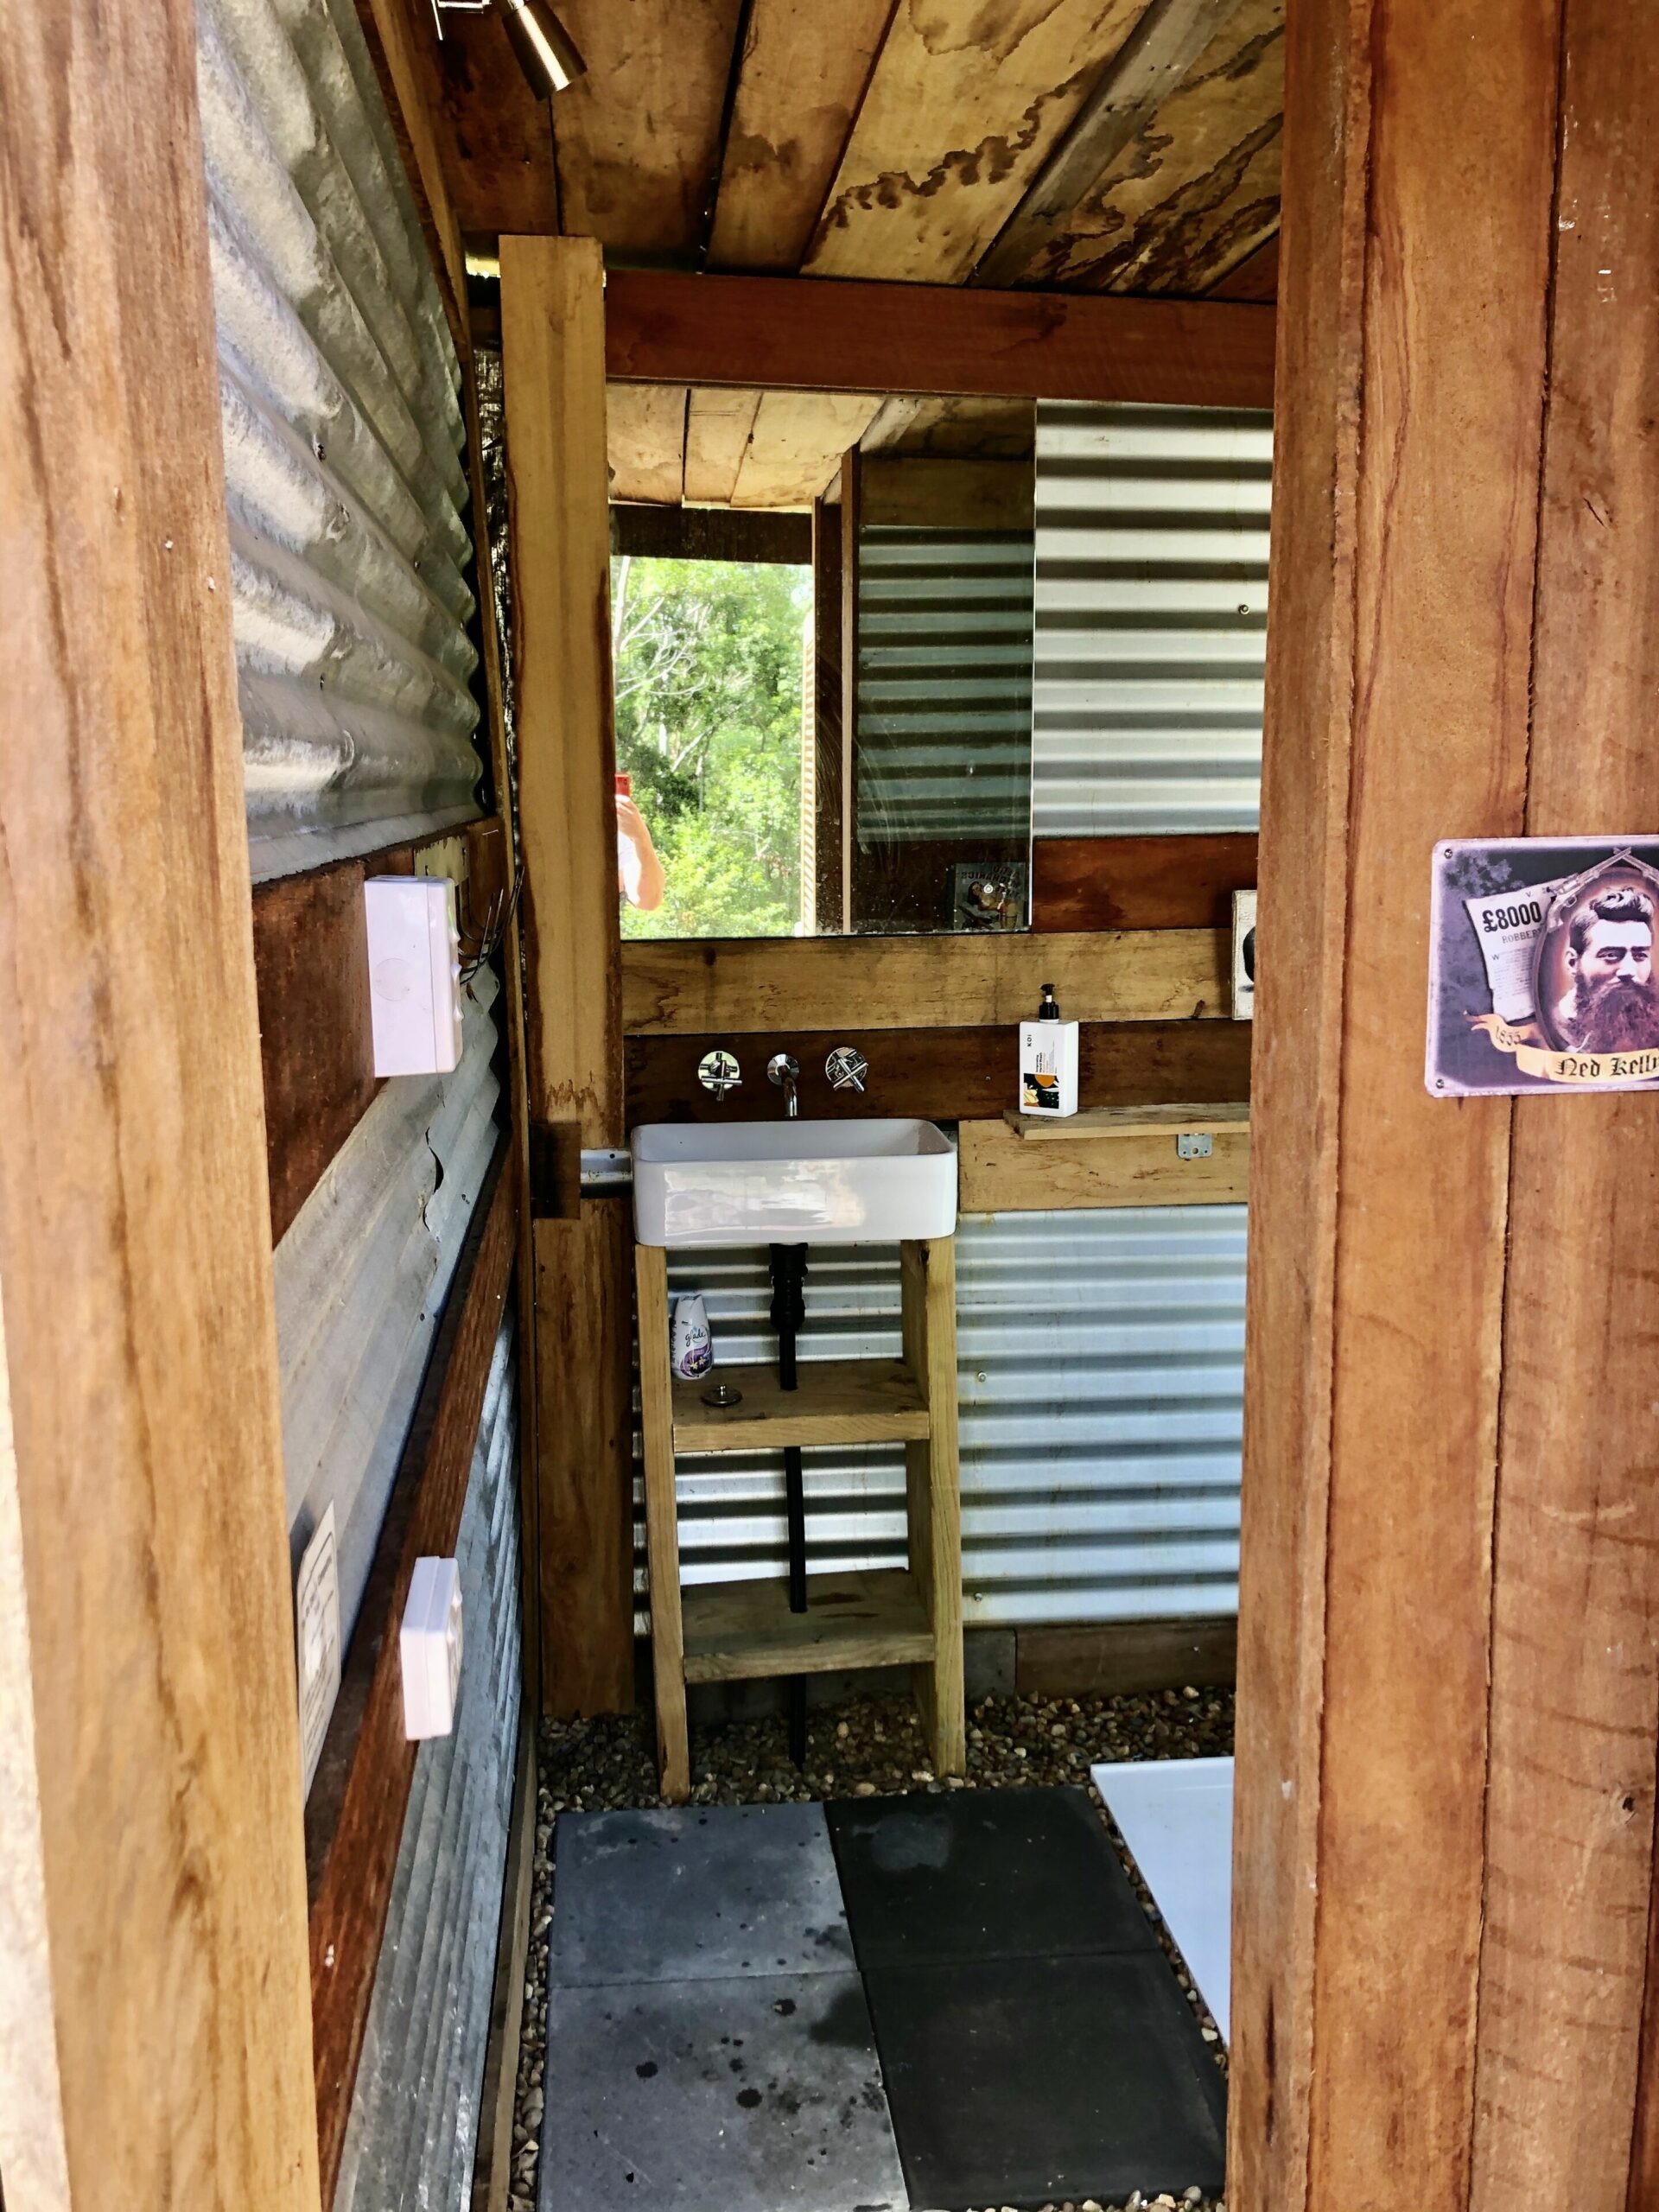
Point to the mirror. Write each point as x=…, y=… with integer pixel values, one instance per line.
x=903, y=636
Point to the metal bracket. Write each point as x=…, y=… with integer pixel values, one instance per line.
x=1194, y=1144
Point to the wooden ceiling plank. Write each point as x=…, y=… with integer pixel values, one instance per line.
x=494, y=137
x=785, y=333
x=963, y=105
x=1151, y=63
x=796, y=445
x=953, y=427
x=805, y=71
x=717, y=427
x=1196, y=190
x=644, y=440
x=638, y=136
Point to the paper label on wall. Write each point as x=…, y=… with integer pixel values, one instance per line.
x=316, y=1618
x=1244, y=955
x=1541, y=970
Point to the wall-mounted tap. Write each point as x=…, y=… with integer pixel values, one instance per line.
x=718, y=1071
x=845, y=1068
x=786, y=1072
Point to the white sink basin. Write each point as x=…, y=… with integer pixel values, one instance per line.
x=791, y=1183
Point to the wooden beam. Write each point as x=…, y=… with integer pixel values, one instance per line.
x=956, y=1075
x=1140, y=883
x=712, y=534
x=746, y=985
x=1575, y=1632
x=154, y=2038
x=838, y=911
x=1409, y=416
x=1125, y=1658
x=806, y=334
x=1152, y=60
x=394, y=48
x=553, y=374
x=354, y=1816
x=494, y=135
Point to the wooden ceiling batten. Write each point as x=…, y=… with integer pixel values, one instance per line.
x=638, y=137
x=962, y=107
x=805, y=72
x=1152, y=63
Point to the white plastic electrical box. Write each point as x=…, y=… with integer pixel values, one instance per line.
x=429, y=1644
x=414, y=974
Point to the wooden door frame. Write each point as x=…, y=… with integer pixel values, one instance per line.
x=155, y=2006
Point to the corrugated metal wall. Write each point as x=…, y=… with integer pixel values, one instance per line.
x=943, y=684
x=1101, y=1386
x=343, y=438
x=1151, y=619
x=362, y=1273
x=413, y=2133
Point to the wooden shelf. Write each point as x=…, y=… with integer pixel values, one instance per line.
x=1134, y=1122
x=839, y=1402
x=735, y=1630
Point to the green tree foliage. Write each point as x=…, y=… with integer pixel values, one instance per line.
x=708, y=670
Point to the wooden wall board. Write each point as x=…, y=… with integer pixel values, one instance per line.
x=638, y=137
x=552, y=364
x=354, y=1816
x=310, y=957
x=1125, y=1658
x=805, y=71
x=949, y=1075
x=922, y=493
x=154, y=2037
x=961, y=108
x=644, y=440
x=1151, y=62
x=796, y=333
x=1575, y=1633
x=795, y=448
x=1197, y=187
x=746, y=985
x=717, y=426
x=1001, y=1172
x=1140, y=883
x=499, y=2092
x=494, y=136
x=1410, y=422
x=781, y=539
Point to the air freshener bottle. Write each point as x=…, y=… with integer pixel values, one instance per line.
x=692, y=1348
x=1048, y=1061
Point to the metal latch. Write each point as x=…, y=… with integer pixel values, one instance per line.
x=1193, y=1144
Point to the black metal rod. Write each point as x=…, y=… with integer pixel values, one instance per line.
x=788, y=1313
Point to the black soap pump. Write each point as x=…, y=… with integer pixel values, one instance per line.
x=1048, y=1061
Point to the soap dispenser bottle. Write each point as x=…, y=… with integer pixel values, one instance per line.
x=1048, y=1061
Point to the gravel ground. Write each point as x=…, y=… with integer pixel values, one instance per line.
x=870, y=1747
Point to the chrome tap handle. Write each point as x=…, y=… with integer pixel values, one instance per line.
x=845, y=1068
x=718, y=1071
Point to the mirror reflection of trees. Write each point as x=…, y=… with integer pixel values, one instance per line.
x=708, y=658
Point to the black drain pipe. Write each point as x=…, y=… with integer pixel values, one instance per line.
x=789, y=1315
